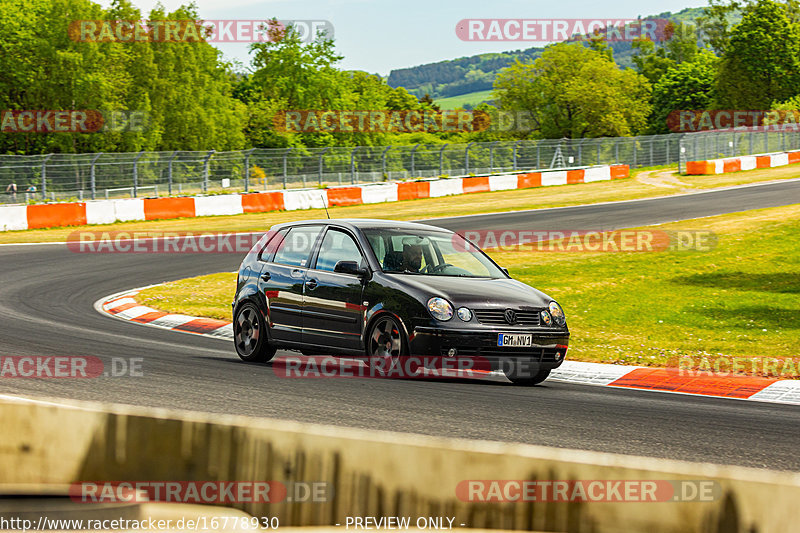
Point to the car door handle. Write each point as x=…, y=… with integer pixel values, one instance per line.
x=266, y=276
x=311, y=284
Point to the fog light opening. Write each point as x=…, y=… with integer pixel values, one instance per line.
x=452, y=352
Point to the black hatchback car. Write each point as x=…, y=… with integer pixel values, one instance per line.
x=391, y=290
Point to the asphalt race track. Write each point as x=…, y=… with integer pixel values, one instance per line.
x=47, y=294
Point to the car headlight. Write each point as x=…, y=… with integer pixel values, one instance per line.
x=440, y=309
x=546, y=318
x=464, y=314
x=557, y=313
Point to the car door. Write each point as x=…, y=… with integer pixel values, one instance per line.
x=282, y=280
x=333, y=310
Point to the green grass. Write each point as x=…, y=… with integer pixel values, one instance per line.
x=458, y=102
x=465, y=204
x=207, y=296
x=738, y=300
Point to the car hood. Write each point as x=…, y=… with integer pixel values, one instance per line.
x=477, y=292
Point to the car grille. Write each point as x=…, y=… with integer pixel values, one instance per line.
x=496, y=317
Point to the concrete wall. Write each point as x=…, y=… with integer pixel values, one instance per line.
x=374, y=473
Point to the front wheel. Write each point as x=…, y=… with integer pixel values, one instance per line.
x=385, y=345
x=250, y=335
x=520, y=378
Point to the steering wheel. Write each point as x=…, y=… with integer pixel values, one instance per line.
x=437, y=268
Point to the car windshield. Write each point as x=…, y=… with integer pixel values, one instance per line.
x=431, y=253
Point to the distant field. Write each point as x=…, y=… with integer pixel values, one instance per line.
x=456, y=102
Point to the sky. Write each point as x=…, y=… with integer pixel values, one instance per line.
x=380, y=35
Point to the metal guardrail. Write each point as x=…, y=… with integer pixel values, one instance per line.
x=108, y=175
x=703, y=146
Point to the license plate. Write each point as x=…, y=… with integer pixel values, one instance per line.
x=513, y=341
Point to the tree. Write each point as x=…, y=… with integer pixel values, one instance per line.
x=686, y=86
x=761, y=63
x=653, y=61
x=572, y=91
x=715, y=24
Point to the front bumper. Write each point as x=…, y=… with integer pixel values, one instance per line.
x=548, y=350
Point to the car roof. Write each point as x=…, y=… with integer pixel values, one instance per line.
x=361, y=223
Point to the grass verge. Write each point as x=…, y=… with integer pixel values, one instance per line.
x=738, y=300
x=466, y=204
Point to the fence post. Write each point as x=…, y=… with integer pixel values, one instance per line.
x=616, y=151
x=135, y=189
x=668, y=148
x=169, y=172
x=205, y=170
x=491, y=156
x=598, y=142
x=516, y=144
x=441, y=159
x=320, y=164
x=466, y=158
x=44, y=176
x=413, y=154
x=353, y=164
x=285, y=167
x=247, y=169
x=383, y=162
x=92, y=174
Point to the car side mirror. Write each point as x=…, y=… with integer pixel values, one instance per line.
x=351, y=268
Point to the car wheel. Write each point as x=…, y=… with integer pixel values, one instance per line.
x=385, y=347
x=537, y=378
x=250, y=335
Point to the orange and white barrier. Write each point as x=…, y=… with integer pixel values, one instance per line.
x=20, y=217
x=745, y=162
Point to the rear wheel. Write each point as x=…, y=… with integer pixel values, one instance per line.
x=250, y=335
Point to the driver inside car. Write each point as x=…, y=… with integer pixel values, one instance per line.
x=412, y=257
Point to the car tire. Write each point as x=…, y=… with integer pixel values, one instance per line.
x=250, y=335
x=529, y=381
x=385, y=346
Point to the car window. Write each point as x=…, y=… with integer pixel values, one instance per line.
x=432, y=253
x=273, y=241
x=296, y=246
x=337, y=246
